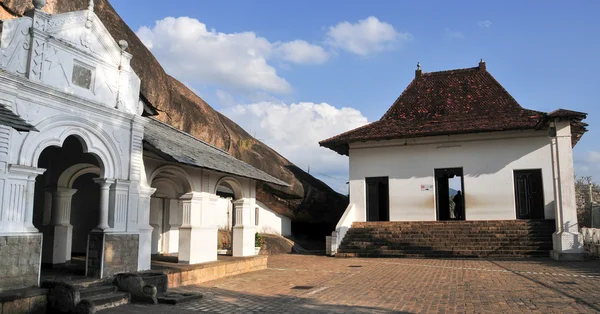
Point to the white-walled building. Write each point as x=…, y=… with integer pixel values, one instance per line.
x=95, y=176
x=460, y=130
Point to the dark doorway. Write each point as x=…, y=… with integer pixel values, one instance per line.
x=529, y=194
x=378, y=203
x=450, y=194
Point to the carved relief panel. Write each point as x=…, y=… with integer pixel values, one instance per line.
x=74, y=53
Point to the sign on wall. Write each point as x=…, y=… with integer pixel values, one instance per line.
x=426, y=187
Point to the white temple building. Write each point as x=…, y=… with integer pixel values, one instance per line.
x=460, y=130
x=84, y=170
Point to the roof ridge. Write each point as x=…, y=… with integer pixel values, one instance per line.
x=472, y=69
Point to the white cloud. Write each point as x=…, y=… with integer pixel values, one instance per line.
x=365, y=37
x=225, y=99
x=592, y=157
x=295, y=131
x=588, y=164
x=299, y=51
x=484, y=24
x=450, y=34
x=188, y=50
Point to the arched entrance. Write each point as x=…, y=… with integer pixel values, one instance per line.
x=66, y=201
x=227, y=194
x=242, y=215
x=170, y=182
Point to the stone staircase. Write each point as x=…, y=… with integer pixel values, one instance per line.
x=495, y=238
x=84, y=296
x=103, y=297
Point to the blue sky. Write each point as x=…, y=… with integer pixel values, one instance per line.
x=285, y=70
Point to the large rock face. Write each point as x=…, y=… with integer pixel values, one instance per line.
x=307, y=199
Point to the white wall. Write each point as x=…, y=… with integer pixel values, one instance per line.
x=271, y=222
x=488, y=161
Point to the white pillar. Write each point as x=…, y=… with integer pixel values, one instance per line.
x=16, y=214
x=244, y=228
x=145, y=230
x=174, y=222
x=61, y=225
x=566, y=239
x=104, y=202
x=197, y=239
x=118, y=205
x=156, y=213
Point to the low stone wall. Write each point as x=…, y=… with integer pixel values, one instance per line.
x=591, y=241
x=180, y=275
x=120, y=254
x=20, y=261
x=28, y=300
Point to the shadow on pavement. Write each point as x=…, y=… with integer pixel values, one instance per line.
x=217, y=300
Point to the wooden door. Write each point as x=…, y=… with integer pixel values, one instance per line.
x=377, y=199
x=529, y=194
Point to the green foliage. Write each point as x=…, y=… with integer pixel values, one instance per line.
x=258, y=240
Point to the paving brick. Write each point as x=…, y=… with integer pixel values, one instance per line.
x=397, y=285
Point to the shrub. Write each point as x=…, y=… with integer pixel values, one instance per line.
x=258, y=240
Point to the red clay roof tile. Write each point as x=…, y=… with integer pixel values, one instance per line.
x=447, y=102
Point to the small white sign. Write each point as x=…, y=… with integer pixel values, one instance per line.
x=426, y=187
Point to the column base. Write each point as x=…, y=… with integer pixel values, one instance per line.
x=567, y=246
x=173, y=242
x=567, y=257
x=567, y=242
x=197, y=245
x=61, y=251
x=145, y=247
x=20, y=261
x=243, y=240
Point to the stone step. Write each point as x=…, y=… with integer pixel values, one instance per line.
x=446, y=251
x=424, y=249
x=454, y=254
x=509, y=238
x=461, y=222
x=360, y=229
x=452, y=228
x=95, y=291
x=107, y=301
x=450, y=245
x=434, y=238
x=401, y=246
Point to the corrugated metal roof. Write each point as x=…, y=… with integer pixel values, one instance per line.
x=11, y=119
x=189, y=150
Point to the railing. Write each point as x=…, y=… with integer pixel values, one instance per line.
x=334, y=241
x=591, y=241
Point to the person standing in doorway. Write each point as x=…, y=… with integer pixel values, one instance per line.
x=458, y=205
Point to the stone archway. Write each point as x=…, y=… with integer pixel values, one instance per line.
x=231, y=189
x=55, y=130
x=171, y=182
x=242, y=216
x=53, y=195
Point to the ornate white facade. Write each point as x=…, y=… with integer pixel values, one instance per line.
x=84, y=174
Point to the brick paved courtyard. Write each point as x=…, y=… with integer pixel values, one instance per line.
x=317, y=284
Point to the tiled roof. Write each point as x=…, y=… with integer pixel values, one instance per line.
x=9, y=118
x=184, y=148
x=444, y=103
